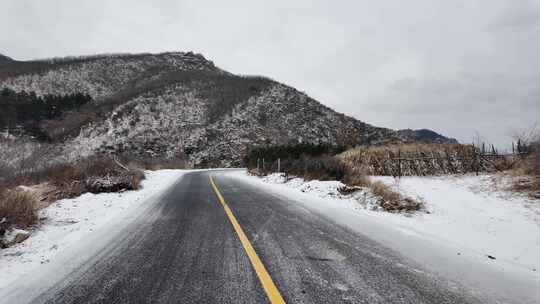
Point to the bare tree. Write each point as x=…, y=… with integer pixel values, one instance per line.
x=527, y=139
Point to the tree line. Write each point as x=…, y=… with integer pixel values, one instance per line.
x=26, y=110
x=271, y=154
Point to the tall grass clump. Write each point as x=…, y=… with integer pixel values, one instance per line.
x=528, y=174
x=389, y=199
x=18, y=208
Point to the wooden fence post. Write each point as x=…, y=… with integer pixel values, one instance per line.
x=477, y=162
x=279, y=165
x=399, y=163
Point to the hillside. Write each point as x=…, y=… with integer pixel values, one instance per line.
x=425, y=135
x=5, y=59
x=175, y=105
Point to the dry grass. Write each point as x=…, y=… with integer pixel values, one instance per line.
x=159, y=164
x=388, y=198
x=527, y=172
x=95, y=175
x=528, y=175
x=330, y=168
x=412, y=159
x=384, y=192
x=25, y=163
x=532, y=164
x=405, y=149
x=136, y=178
x=18, y=208
x=356, y=176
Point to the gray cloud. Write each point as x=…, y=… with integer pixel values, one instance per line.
x=453, y=66
x=521, y=15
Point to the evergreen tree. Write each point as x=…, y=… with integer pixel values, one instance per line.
x=27, y=110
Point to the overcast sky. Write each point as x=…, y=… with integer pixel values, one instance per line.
x=455, y=66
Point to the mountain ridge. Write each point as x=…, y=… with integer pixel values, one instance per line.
x=426, y=135
x=179, y=105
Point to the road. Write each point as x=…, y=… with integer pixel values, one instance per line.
x=186, y=250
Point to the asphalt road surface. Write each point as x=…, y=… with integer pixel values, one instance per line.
x=186, y=250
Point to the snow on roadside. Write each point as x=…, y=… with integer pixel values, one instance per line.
x=470, y=213
x=326, y=189
x=463, y=210
x=70, y=221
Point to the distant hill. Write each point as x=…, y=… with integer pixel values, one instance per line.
x=175, y=104
x=426, y=135
x=5, y=59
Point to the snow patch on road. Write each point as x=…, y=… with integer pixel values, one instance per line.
x=68, y=223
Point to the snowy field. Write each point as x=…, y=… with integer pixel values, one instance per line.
x=77, y=227
x=469, y=232
x=479, y=220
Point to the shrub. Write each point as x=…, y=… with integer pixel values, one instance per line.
x=159, y=163
x=356, y=177
x=321, y=168
x=18, y=208
x=529, y=175
x=532, y=164
x=383, y=191
x=96, y=175
x=389, y=200
x=21, y=160
x=64, y=173
x=288, y=152
x=110, y=183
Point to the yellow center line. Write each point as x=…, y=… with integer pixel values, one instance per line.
x=269, y=287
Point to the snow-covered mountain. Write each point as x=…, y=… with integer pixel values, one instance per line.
x=179, y=105
x=99, y=75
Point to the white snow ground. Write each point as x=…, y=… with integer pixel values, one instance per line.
x=77, y=227
x=467, y=213
x=466, y=220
